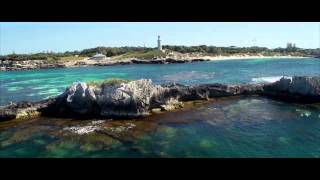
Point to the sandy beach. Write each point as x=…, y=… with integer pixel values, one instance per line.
x=191, y=58
x=181, y=58
x=217, y=58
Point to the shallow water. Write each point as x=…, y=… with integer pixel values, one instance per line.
x=225, y=127
x=229, y=127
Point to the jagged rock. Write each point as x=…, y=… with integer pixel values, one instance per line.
x=156, y=110
x=305, y=86
x=172, y=104
x=280, y=86
x=299, y=89
x=206, y=91
x=138, y=98
x=164, y=61
x=81, y=98
x=131, y=99
x=7, y=114
x=23, y=110
x=171, y=61
x=198, y=60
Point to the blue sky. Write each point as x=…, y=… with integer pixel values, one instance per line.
x=59, y=37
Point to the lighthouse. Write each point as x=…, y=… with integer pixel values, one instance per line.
x=159, y=44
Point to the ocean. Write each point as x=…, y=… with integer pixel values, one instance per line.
x=225, y=127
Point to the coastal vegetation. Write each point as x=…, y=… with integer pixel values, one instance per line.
x=213, y=50
x=108, y=82
x=49, y=56
x=149, y=53
x=112, y=51
x=71, y=58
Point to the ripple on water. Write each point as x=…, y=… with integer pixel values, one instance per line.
x=50, y=91
x=14, y=88
x=62, y=148
x=259, y=60
x=207, y=143
x=41, y=87
x=304, y=113
x=284, y=140
x=187, y=75
x=28, y=82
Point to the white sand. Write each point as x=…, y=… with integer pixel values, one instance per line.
x=187, y=57
x=217, y=58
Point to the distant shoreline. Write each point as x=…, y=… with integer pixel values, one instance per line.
x=187, y=59
x=219, y=58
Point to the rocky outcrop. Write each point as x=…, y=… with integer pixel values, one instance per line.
x=25, y=110
x=138, y=98
x=206, y=91
x=125, y=100
x=298, y=89
x=165, y=61
x=42, y=64
x=80, y=98
x=131, y=99
x=172, y=104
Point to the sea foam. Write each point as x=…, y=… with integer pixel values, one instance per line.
x=269, y=79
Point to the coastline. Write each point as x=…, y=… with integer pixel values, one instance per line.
x=219, y=58
x=30, y=65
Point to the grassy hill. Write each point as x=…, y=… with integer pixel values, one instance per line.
x=148, y=54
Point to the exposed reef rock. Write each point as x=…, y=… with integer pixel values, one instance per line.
x=165, y=61
x=139, y=98
x=297, y=89
x=42, y=64
x=172, y=104
x=80, y=98
x=131, y=99
x=24, y=110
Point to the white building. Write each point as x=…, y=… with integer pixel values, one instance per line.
x=159, y=44
x=98, y=57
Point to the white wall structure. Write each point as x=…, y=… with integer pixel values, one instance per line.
x=99, y=57
x=159, y=44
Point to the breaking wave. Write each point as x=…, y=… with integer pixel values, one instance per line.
x=269, y=79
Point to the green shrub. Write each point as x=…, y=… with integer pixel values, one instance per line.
x=109, y=82
x=148, y=54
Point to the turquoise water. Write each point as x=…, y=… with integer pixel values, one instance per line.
x=227, y=127
x=40, y=84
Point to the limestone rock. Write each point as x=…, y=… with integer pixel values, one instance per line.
x=156, y=110
x=305, y=86
x=81, y=98
x=7, y=114
x=172, y=104
x=300, y=89
x=138, y=98
x=131, y=99
x=280, y=86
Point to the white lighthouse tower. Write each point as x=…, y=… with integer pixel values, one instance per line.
x=159, y=44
